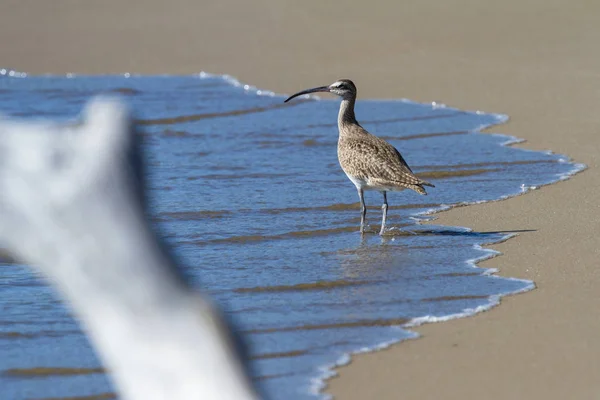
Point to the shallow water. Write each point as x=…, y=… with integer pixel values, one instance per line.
x=249, y=193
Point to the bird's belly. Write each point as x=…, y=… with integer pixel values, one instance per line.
x=359, y=183
x=365, y=184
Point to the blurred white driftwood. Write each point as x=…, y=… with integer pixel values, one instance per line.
x=72, y=205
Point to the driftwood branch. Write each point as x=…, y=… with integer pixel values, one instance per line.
x=72, y=205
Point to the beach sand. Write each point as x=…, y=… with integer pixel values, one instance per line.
x=535, y=60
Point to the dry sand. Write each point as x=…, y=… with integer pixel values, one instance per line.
x=536, y=60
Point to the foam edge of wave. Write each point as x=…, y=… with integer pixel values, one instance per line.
x=318, y=384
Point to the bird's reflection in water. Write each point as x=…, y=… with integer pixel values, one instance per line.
x=376, y=257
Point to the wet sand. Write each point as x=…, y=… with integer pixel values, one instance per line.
x=535, y=60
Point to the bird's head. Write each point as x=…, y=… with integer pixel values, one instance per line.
x=344, y=88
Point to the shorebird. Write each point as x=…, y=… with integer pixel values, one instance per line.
x=370, y=162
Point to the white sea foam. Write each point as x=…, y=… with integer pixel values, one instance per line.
x=510, y=140
x=236, y=83
x=318, y=383
x=12, y=73
x=577, y=168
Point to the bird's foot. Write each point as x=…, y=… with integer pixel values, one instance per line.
x=394, y=231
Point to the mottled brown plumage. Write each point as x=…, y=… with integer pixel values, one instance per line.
x=374, y=161
x=370, y=162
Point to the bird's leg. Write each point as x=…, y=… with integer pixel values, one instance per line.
x=363, y=210
x=384, y=208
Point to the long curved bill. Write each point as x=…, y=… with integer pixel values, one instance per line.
x=307, y=91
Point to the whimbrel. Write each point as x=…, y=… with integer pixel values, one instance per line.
x=370, y=162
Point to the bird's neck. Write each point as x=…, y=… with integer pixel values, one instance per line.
x=346, y=114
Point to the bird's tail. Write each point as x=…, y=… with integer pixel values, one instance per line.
x=419, y=187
